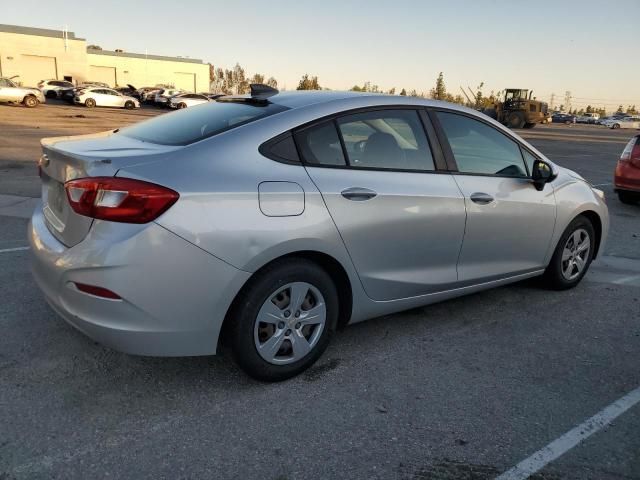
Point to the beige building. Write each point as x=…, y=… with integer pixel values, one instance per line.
x=35, y=54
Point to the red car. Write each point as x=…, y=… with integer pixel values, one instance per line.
x=627, y=175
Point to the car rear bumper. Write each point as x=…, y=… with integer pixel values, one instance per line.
x=174, y=296
x=627, y=177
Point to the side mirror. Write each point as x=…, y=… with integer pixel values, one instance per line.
x=541, y=174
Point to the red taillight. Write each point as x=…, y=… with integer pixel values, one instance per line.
x=119, y=199
x=97, y=291
x=632, y=150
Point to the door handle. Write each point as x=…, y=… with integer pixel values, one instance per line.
x=481, y=198
x=358, y=194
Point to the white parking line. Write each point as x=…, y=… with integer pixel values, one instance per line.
x=602, y=184
x=573, y=437
x=15, y=249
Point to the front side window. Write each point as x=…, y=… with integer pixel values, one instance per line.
x=190, y=125
x=320, y=145
x=481, y=149
x=5, y=82
x=392, y=139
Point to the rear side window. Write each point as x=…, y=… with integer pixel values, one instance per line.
x=481, y=149
x=392, y=139
x=320, y=145
x=193, y=124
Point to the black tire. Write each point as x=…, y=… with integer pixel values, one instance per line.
x=553, y=275
x=51, y=94
x=182, y=105
x=30, y=101
x=129, y=105
x=89, y=103
x=515, y=120
x=529, y=125
x=630, y=198
x=615, y=125
x=255, y=294
x=491, y=113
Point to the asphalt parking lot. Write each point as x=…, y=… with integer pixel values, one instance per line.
x=464, y=389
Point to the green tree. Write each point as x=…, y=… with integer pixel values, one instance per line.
x=356, y=88
x=589, y=109
x=308, y=83
x=257, y=78
x=272, y=82
x=631, y=110
x=413, y=93
x=439, y=92
x=392, y=91
x=403, y=92
x=620, y=109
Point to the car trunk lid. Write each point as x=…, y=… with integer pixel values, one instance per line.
x=68, y=158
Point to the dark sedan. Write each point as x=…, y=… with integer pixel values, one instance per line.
x=563, y=118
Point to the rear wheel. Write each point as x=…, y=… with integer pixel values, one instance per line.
x=283, y=320
x=89, y=103
x=515, y=120
x=629, y=198
x=572, y=256
x=30, y=101
x=182, y=105
x=615, y=125
x=129, y=105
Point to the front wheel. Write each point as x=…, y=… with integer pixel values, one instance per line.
x=30, y=101
x=89, y=103
x=129, y=105
x=572, y=256
x=516, y=120
x=283, y=320
x=615, y=125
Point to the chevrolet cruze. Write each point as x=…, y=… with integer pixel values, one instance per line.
x=272, y=219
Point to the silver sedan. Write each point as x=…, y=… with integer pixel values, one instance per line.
x=271, y=219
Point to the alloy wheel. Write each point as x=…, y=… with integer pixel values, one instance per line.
x=575, y=254
x=290, y=323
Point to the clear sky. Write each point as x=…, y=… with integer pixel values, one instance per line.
x=590, y=48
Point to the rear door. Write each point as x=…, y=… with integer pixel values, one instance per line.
x=509, y=223
x=401, y=219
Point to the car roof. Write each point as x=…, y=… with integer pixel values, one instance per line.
x=302, y=98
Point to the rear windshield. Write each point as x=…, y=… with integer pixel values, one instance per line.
x=196, y=123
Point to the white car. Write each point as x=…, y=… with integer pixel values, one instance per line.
x=53, y=88
x=162, y=96
x=12, y=93
x=184, y=100
x=632, y=121
x=105, y=97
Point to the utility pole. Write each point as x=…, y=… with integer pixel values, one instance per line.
x=553, y=97
x=465, y=94
x=567, y=100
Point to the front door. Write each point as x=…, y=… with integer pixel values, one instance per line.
x=401, y=221
x=509, y=223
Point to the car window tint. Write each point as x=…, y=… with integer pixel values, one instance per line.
x=386, y=139
x=320, y=145
x=528, y=159
x=480, y=148
x=283, y=149
x=189, y=125
x=4, y=82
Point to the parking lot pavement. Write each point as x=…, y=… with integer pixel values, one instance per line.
x=465, y=389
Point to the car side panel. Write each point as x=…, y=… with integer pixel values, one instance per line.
x=573, y=199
